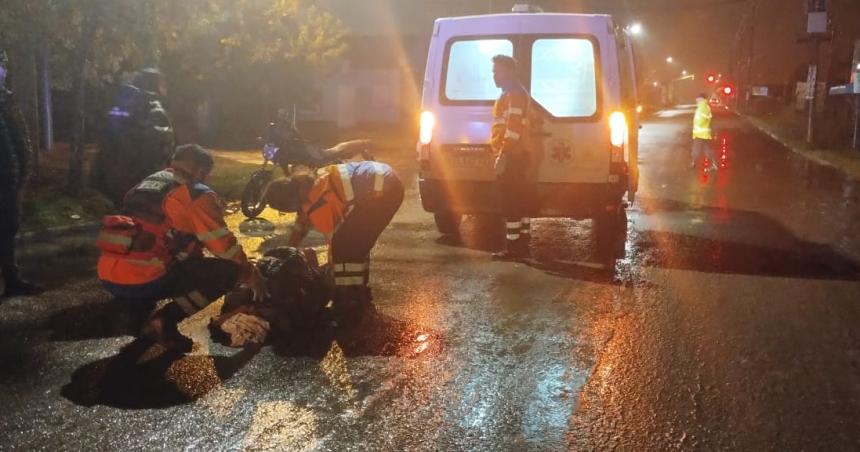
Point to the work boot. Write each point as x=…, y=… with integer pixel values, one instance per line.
x=162, y=328
x=350, y=304
x=18, y=287
x=514, y=250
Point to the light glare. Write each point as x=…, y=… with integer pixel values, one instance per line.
x=617, y=128
x=428, y=122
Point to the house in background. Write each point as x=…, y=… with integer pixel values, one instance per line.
x=376, y=84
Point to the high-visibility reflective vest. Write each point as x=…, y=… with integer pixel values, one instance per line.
x=335, y=191
x=164, y=219
x=510, y=121
x=702, y=121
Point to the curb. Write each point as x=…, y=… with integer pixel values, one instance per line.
x=786, y=144
x=57, y=232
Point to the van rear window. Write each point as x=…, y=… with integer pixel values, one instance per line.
x=563, y=78
x=470, y=69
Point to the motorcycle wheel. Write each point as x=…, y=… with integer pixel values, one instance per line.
x=253, y=197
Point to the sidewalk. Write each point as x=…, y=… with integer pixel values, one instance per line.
x=847, y=161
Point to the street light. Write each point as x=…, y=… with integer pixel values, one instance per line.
x=656, y=84
x=684, y=72
x=635, y=28
x=670, y=60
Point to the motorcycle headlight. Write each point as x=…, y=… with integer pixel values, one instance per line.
x=270, y=151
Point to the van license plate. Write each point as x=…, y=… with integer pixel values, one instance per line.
x=472, y=161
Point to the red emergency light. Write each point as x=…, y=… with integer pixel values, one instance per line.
x=711, y=78
x=728, y=90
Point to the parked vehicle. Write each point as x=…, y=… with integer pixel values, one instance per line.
x=579, y=70
x=285, y=147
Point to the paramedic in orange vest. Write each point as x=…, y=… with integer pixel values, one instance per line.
x=512, y=161
x=350, y=204
x=154, y=249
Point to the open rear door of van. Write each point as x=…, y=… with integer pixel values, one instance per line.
x=629, y=72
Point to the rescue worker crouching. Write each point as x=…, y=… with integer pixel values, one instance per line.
x=350, y=204
x=154, y=249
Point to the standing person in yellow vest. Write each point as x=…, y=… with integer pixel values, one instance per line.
x=702, y=134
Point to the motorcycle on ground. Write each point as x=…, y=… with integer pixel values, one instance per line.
x=286, y=148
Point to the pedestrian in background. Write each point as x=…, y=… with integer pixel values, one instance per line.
x=14, y=156
x=702, y=134
x=137, y=139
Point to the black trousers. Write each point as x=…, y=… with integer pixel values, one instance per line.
x=352, y=242
x=517, y=196
x=192, y=284
x=10, y=220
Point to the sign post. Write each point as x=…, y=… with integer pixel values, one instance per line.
x=855, y=79
x=811, y=82
x=816, y=27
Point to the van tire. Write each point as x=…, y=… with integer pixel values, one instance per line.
x=610, y=234
x=448, y=223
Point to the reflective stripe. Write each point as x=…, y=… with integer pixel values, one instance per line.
x=182, y=255
x=114, y=238
x=515, y=111
x=500, y=120
x=213, y=234
x=231, y=253
x=198, y=299
x=154, y=262
x=512, y=135
x=349, y=281
x=351, y=267
x=513, y=236
x=346, y=181
x=379, y=177
x=526, y=221
x=185, y=305
x=701, y=129
x=514, y=225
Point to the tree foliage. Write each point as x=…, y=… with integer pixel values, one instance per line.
x=226, y=51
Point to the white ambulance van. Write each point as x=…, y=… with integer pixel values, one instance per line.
x=579, y=70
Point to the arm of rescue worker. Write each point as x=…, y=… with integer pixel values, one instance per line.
x=298, y=230
x=207, y=219
x=515, y=122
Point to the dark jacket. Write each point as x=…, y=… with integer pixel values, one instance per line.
x=15, y=146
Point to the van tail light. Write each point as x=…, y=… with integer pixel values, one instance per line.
x=617, y=136
x=617, y=129
x=428, y=123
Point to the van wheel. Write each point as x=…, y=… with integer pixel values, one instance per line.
x=448, y=223
x=610, y=235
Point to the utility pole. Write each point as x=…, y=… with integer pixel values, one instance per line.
x=816, y=27
x=751, y=54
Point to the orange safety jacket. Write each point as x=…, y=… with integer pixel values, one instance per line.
x=165, y=219
x=510, y=121
x=335, y=191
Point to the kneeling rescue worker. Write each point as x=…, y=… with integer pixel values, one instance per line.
x=154, y=249
x=350, y=204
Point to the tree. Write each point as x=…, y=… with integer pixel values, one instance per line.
x=203, y=46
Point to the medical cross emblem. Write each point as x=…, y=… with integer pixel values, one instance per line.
x=562, y=152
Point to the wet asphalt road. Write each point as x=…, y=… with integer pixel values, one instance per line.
x=730, y=324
